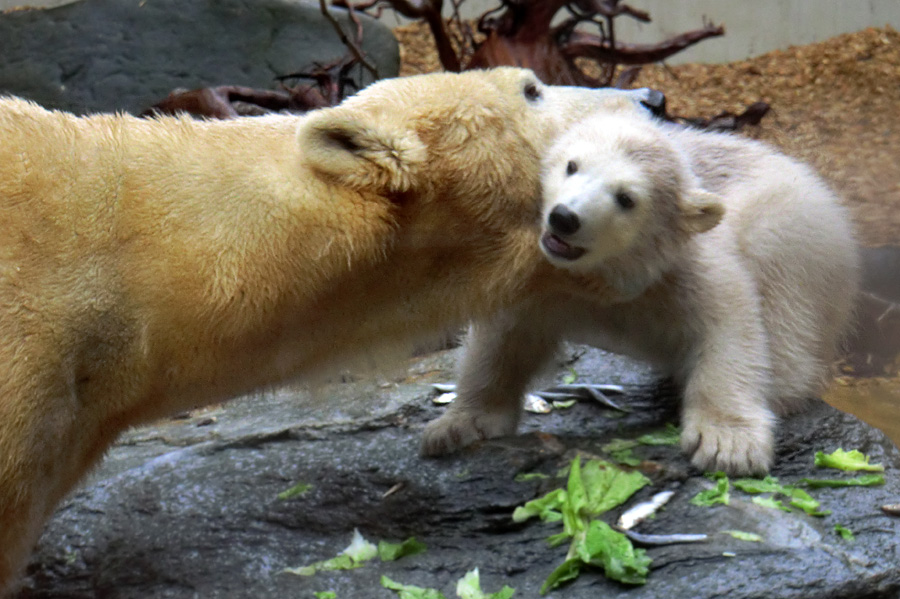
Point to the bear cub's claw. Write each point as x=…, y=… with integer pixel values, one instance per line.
x=739, y=449
x=457, y=429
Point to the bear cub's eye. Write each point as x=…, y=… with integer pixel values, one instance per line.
x=624, y=200
x=532, y=93
x=571, y=167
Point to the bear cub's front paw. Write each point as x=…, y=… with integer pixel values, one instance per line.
x=738, y=447
x=459, y=428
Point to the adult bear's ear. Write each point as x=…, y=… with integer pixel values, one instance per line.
x=361, y=150
x=701, y=211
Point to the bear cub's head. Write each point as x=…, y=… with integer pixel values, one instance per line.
x=619, y=195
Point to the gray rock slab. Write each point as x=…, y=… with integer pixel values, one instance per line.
x=107, y=55
x=189, y=508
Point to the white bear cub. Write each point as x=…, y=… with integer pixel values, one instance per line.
x=727, y=265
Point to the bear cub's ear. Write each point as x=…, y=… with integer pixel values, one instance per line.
x=361, y=150
x=701, y=211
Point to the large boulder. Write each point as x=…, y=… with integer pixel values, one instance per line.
x=106, y=55
x=190, y=508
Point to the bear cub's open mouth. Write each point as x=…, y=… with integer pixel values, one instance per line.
x=560, y=249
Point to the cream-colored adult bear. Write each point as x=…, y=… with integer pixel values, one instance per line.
x=152, y=266
x=741, y=269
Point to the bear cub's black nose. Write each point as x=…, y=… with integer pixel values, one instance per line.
x=563, y=221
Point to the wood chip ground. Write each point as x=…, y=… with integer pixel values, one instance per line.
x=835, y=104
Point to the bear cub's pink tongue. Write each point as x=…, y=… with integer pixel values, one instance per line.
x=560, y=248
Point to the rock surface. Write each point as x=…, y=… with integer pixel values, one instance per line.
x=107, y=55
x=189, y=508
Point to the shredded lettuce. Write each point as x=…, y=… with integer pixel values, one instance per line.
x=744, y=536
x=845, y=533
x=546, y=507
x=670, y=435
x=524, y=477
x=717, y=494
x=389, y=552
x=354, y=556
x=469, y=587
x=771, y=502
x=847, y=460
x=408, y=591
x=864, y=480
x=591, y=489
x=295, y=491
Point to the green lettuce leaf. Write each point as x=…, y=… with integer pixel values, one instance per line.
x=325, y=594
x=408, y=591
x=608, y=486
x=864, y=480
x=845, y=533
x=718, y=494
x=671, y=435
x=744, y=536
x=354, y=556
x=546, y=507
x=389, y=552
x=768, y=484
x=524, y=477
x=771, y=502
x=566, y=571
x=469, y=587
x=847, y=460
x=613, y=551
x=801, y=499
x=295, y=491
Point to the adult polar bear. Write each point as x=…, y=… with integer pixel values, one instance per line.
x=151, y=266
x=745, y=313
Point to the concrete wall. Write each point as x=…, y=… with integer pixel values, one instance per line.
x=752, y=26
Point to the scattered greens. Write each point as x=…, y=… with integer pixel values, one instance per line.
x=359, y=552
x=768, y=484
x=354, y=556
x=802, y=500
x=408, y=591
x=796, y=497
x=546, y=507
x=847, y=460
x=469, y=587
x=771, y=502
x=389, y=552
x=845, y=533
x=524, y=477
x=295, y=491
x=601, y=546
x=865, y=480
x=668, y=436
x=620, y=450
x=717, y=494
x=570, y=376
x=591, y=490
x=744, y=536
x=325, y=594
x=625, y=457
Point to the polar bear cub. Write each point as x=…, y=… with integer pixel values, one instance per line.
x=740, y=270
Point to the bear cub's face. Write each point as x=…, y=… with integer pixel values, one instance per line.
x=614, y=186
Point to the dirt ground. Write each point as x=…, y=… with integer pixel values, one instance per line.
x=835, y=104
